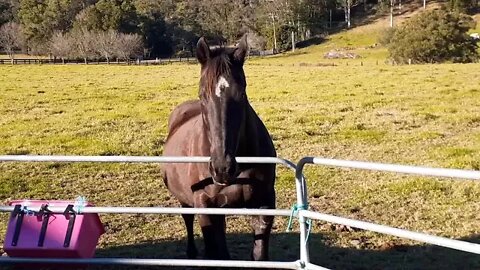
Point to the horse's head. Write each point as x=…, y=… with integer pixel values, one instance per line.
x=224, y=103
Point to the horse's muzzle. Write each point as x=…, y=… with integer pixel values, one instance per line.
x=223, y=170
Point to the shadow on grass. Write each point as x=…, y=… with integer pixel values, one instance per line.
x=285, y=247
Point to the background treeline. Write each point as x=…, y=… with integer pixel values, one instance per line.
x=151, y=28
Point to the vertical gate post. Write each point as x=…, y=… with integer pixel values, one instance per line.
x=302, y=204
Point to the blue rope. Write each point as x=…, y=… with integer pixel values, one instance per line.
x=80, y=203
x=295, y=208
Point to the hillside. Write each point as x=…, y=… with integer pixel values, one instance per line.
x=361, y=39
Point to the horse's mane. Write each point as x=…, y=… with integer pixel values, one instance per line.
x=218, y=63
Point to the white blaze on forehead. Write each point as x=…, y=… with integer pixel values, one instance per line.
x=221, y=84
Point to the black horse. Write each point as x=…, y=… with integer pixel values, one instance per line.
x=222, y=125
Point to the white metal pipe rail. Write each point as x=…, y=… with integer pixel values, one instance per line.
x=163, y=210
x=139, y=159
x=156, y=262
x=425, y=171
x=422, y=237
x=299, y=183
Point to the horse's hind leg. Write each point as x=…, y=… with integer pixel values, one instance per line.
x=191, y=248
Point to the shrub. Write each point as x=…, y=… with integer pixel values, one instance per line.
x=386, y=36
x=434, y=36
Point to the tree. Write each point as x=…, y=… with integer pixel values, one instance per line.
x=434, y=36
x=106, y=44
x=347, y=7
x=41, y=18
x=61, y=45
x=463, y=5
x=223, y=18
x=128, y=45
x=84, y=44
x=10, y=38
x=8, y=10
x=160, y=37
x=284, y=18
x=109, y=15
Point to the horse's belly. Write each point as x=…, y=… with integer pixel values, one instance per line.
x=179, y=177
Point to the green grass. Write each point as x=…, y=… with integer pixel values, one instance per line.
x=360, y=109
x=424, y=115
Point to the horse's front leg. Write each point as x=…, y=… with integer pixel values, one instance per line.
x=262, y=226
x=213, y=230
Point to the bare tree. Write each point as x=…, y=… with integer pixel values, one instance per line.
x=347, y=6
x=129, y=45
x=106, y=44
x=10, y=38
x=392, y=3
x=84, y=44
x=279, y=13
x=61, y=45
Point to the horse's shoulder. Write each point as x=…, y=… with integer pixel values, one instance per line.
x=182, y=113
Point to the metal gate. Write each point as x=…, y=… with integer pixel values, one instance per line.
x=301, y=210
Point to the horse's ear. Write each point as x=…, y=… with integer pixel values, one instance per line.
x=241, y=50
x=203, y=51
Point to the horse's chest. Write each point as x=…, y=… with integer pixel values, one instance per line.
x=230, y=196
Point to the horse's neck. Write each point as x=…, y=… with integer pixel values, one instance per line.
x=248, y=143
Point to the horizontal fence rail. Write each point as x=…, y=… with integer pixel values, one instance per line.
x=425, y=171
x=422, y=237
x=157, y=262
x=161, y=210
x=140, y=159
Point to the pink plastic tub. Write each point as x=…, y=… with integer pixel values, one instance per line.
x=65, y=235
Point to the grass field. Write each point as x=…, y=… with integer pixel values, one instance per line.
x=420, y=115
x=424, y=115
